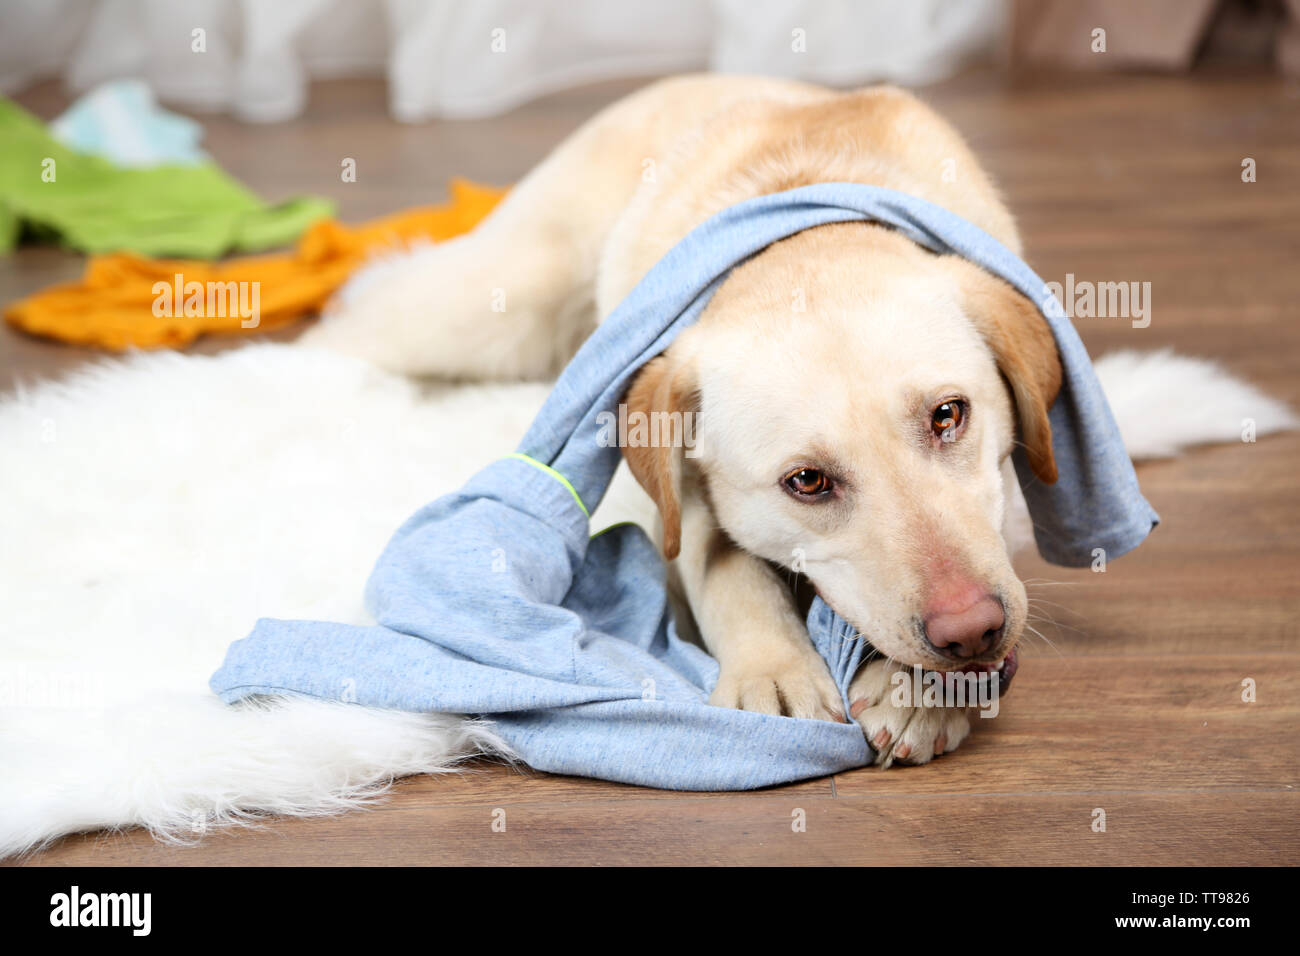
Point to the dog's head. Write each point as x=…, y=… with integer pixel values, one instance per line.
x=856, y=398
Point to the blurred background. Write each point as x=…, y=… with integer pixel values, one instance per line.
x=456, y=59
x=1098, y=117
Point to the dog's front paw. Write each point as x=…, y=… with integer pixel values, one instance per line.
x=901, y=733
x=790, y=686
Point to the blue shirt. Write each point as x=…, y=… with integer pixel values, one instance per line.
x=495, y=601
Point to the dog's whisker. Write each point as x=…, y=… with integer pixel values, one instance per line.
x=1040, y=602
x=1039, y=619
x=1043, y=637
x=1058, y=625
x=1044, y=619
x=1038, y=614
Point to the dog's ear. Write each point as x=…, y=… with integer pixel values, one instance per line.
x=1026, y=354
x=661, y=388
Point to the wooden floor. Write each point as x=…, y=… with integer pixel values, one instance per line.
x=1136, y=709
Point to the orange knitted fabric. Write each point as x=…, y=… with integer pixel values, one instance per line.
x=125, y=300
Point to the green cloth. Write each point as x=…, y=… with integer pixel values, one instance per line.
x=192, y=212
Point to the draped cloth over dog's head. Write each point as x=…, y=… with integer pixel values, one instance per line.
x=494, y=601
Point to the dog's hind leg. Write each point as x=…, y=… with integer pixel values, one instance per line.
x=505, y=301
x=514, y=297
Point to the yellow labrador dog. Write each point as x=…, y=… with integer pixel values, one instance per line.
x=857, y=396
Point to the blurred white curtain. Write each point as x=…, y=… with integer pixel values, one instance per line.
x=460, y=58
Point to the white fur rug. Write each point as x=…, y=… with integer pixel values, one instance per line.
x=152, y=508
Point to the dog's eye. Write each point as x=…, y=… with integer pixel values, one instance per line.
x=808, y=482
x=947, y=418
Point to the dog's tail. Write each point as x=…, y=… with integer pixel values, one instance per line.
x=1166, y=403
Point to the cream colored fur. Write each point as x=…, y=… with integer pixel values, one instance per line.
x=882, y=328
